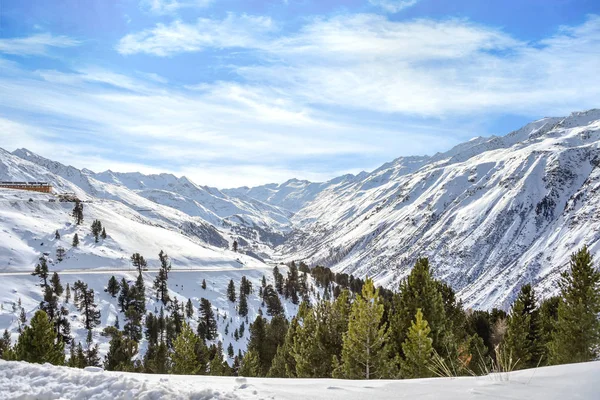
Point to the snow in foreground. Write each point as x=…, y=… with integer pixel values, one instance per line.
x=20, y=380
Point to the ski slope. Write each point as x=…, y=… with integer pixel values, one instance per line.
x=19, y=380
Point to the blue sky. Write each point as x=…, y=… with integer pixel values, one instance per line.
x=245, y=92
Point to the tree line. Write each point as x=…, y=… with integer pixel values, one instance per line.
x=352, y=331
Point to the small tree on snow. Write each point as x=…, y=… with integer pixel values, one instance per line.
x=60, y=253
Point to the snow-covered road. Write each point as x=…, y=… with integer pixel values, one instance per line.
x=19, y=380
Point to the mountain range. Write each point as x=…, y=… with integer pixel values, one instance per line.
x=491, y=214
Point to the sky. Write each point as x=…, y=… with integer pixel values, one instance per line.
x=246, y=92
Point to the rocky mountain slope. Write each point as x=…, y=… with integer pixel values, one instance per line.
x=491, y=214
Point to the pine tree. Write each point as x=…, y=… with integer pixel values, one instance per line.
x=133, y=325
x=231, y=291
x=577, y=334
x=121, y=350
x=320, y=336
x=37, y=342
x=230, y=352
x=112, y=287
x=57, y=287
x=207, y=325
x=49, y=303
x=138, y=262
x=419, y=290
x=96, y=230
x=103, y=234
x=185, y=361
x=290, y=289
x=271, y=299
x=62, y=326
x=176, y=317
x=41, y=270
x=218, y=367
x=124, y=297
x=250, y=367
x=245, y=286
x=417, y=349
x=57, y=235
x=22, y=317
x=243, y=305
x=5, y=344
x=77, y=213
x=76, y=356
x=92, y=357
x=265, y=337
x=548, y=321
x=203, y=284
x=522, y=340
x=235, y=246
x=189, y=309
x=86, y=305
x=75, y=240
x=138, y=295
x=68, y=294
x=366, y=352
x=160, y=283
x=157, y=359
x=60, y=253
x=278, y=280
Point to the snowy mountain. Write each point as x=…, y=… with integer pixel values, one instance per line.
x=178, y=201
x=491, y=214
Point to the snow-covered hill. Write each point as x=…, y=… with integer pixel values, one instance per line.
x=491, y=214
x=23, y=380
x=176, y=201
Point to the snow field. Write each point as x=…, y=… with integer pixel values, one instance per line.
x=20, y=380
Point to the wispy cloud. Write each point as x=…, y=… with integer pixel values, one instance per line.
x=162, y=7
x=35, y=45
x=205, y=134
x=336, y=93
x=393, y=6
x=164, y=40
x=421, y=67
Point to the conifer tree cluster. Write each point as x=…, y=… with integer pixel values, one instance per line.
x=347, y=333
x=98, y=231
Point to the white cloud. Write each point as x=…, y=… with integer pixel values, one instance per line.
x=338, y=92
x=433, y=68
x=162, y=7
x=164, y=40
x=130, y=122
x=35, y=45
x=393, y=6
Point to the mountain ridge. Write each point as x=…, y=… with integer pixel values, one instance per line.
x=491, y=213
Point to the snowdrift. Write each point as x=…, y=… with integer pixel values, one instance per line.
x=20, y=380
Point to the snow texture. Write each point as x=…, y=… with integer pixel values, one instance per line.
x=20, y=380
